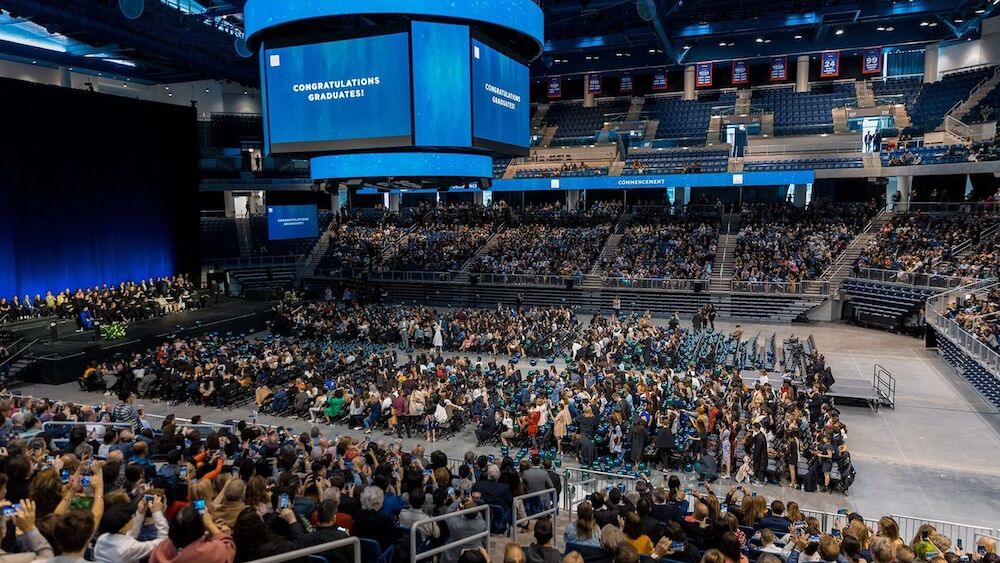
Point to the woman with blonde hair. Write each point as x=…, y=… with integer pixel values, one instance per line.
x=560, y=424
x=793, y=513
x=257, y=495
x=753, y=510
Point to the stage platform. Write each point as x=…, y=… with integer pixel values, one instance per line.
x=64, y=359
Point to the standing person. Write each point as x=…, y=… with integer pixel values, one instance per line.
x=792, y=458
x=560, y=425
x=438, y=340
x=758, y=453
x=404, y=334
x=710, y=310
x=616, y=306
x=639, y=435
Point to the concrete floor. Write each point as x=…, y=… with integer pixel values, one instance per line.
x=937, y=455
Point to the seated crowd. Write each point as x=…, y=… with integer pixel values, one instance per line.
x=979, y=315
x=630, y=391
x=923, y=243
x=550, y=240
x=126, y=302
x=662, y=246
x=781, y=243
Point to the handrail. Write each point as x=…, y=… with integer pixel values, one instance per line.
x=352, y=541
x=13, y=356
x=910, y=278
x=414, y=556
x=831, y=273
x=550, y=493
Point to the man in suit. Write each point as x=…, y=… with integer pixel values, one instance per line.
x=492, y=491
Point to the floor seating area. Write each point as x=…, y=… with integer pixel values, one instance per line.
x=673, y=161
x=684, y=120
x=575, y=121
x=803, y=164
x=805, y=113
x=884, y=305
x=936, y=98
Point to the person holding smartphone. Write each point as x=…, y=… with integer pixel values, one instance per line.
x=37, y=546
x=119, y=528
x=194, y=538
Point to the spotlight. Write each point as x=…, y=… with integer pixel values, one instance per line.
x=890, y=28
x=760, y=40
x=880, y=28
x=686, y=47
x=981, y=11
x=798, y=36
x=722, y=43
x=840, y=31
x=959, y=20
x=924, y=24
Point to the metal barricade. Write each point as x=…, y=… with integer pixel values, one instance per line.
x=204, y=427
x=354, y=542
x=414, y=556
x=908, y=526
x=60, y=429
x=550, y=494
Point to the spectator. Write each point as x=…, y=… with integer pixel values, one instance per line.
x=188, y=543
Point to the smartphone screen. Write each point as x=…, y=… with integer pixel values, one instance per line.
x=85, y=480
x=148, y=498
x=451, y=491
x=64, y=476
x=283, y=501
x=199, y=505
x=958, y=543
x=183, y=471
x=981, y=550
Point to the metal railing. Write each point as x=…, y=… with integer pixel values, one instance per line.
x=525, y=279
x=13, y=356
x=252, y=261
x=802, y=149
x=908, y=526
x=909, y=278
x=948, y=207
x=804, y=287
x=414, y=276
x=965, y=340
x=353, y=541
x=655, y=283
x=414, y=556
x=553, y=507
x=827, y=519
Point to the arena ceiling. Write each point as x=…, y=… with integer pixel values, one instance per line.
x=178, y=40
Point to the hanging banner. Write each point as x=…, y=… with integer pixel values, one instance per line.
x=779, y=68
x=829, y=64
x=741, y=73
x=871, y=61
x=594, y=83
x=659, y=80
x=703, y=74
x=625, y=82
x=555, y=87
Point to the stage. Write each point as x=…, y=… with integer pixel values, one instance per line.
x=64, y=359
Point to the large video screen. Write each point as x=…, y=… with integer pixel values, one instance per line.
x=286, y=222
x=349, y=94
x=500, y=100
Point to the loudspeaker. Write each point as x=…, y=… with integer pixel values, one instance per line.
x=473, y=279
x=697, y=286
x=569, y=283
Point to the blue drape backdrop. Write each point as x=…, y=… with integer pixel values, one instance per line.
x=94, y=189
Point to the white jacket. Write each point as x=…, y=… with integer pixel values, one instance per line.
x=124, y=548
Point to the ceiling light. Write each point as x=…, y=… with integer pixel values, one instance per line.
x=981, y=11
x=924, y=24
x=798, y=37
x=933, y=24
x=890, y=28
x=839, y=31
x=206, y=90
x=722, y=43
x=652, y=50
x=588, y=57
x=959, y=20
x=618, y=54
x=730, y=44
x=170, y=94
x=686, y=47
x=244, y=92
x=880, y=28
x=760, y=40
x=124, y=85
x=767, y=41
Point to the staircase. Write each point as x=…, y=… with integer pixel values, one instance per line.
x=616, y=168
x=962, y=109
x=490, y=244
x=635, y=110
x=243, y=236
x=547, y=135
x=18, y=361
x=839, y=120
x=840, y=269
x=725, y=253
x=865, y=93
x=316, y=256
x=651, y=126
x=742, y=102
x=767, y=124
x=540, y=115
x=714, y=129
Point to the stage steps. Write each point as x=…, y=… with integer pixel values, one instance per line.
x=841, y=268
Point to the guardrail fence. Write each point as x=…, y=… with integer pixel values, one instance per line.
x=550, y=495
x=354, y=542
x=415, y=530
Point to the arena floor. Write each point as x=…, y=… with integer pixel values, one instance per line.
x=937, y=455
